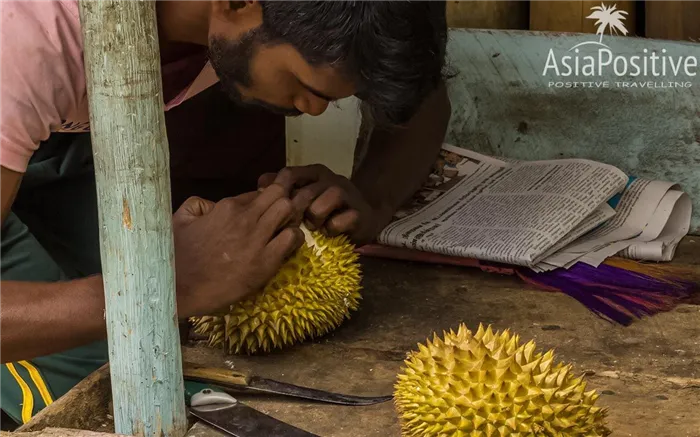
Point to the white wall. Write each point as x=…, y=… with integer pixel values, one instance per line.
x=327, y=139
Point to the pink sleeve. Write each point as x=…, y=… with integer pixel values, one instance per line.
x=41, y=75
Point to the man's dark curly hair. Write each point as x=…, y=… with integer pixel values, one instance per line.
x=394, y=49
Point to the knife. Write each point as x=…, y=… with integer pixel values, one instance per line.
x=226, y=413
x=229, y=379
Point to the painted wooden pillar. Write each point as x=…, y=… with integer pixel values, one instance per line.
x=130, y=149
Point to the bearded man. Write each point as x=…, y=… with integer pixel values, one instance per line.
x=231, y=72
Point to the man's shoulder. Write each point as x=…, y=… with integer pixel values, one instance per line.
x=43, y=79
x=39, y=8
x=51, y=27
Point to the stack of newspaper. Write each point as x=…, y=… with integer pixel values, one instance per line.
x=540, y=214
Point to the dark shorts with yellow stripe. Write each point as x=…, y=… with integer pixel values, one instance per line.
x=51, y=235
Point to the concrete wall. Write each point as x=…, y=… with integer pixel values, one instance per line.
x=503, y=106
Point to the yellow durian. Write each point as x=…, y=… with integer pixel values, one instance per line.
x=314, y=291
x=488, y=384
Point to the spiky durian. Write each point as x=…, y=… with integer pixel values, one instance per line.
x=487, y=384
x=313, y=292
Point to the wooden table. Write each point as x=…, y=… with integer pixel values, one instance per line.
x=649, y=373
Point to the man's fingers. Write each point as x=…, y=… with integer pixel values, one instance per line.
x=344, y=223
x=266, y=197
x=277, y=216
x=297, y=176
x=246, y=198
x=304, y=197
x=315, y=199
x=283, y=246
x=331, y=200
x=266, y=180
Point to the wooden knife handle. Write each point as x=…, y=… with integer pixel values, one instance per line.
x=214, y=375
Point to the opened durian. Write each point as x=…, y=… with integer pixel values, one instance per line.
x=313, y=292
x=487, y=384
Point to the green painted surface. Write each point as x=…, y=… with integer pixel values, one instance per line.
x=130, y=149
x=502, y=105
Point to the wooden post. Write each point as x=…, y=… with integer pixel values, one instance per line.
x=130, y=150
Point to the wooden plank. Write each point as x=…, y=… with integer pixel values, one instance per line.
x=674, y=20
x=654, y=360
x=559, y=16
x=570, y=16
x=85, y=406
x=488, y=14
x=201, y=429
x=131, y=156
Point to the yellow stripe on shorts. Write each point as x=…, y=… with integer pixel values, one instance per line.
x=27, y=397
x=38, y=381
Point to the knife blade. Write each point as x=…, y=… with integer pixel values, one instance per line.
x=270, y=386
x=229, y=379
x=226, y=413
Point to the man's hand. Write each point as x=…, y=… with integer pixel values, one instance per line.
x=228, y=250
x=327, y=201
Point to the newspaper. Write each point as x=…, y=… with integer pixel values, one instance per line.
x=595, y=219
x=540, y=214
x=645, y=210
x=665, y=224
x=484, y=208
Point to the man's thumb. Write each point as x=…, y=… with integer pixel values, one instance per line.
x=191, y=209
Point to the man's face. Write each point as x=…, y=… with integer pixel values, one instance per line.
x=275, y=77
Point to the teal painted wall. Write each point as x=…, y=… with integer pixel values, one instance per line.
x=502, y=105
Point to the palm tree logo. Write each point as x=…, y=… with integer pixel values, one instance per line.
x=609, y=17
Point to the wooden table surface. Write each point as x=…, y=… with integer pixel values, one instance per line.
x=649, y=373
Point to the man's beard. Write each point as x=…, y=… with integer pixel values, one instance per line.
x=231, y=62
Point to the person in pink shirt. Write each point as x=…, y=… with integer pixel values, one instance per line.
x=281, y=58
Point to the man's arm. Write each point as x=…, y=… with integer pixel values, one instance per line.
x=43, y=318
x=398, y=161
x=10, y=181
x=224, y=252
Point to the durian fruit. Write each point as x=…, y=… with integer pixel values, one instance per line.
x=314, y=291
x=487, y=384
